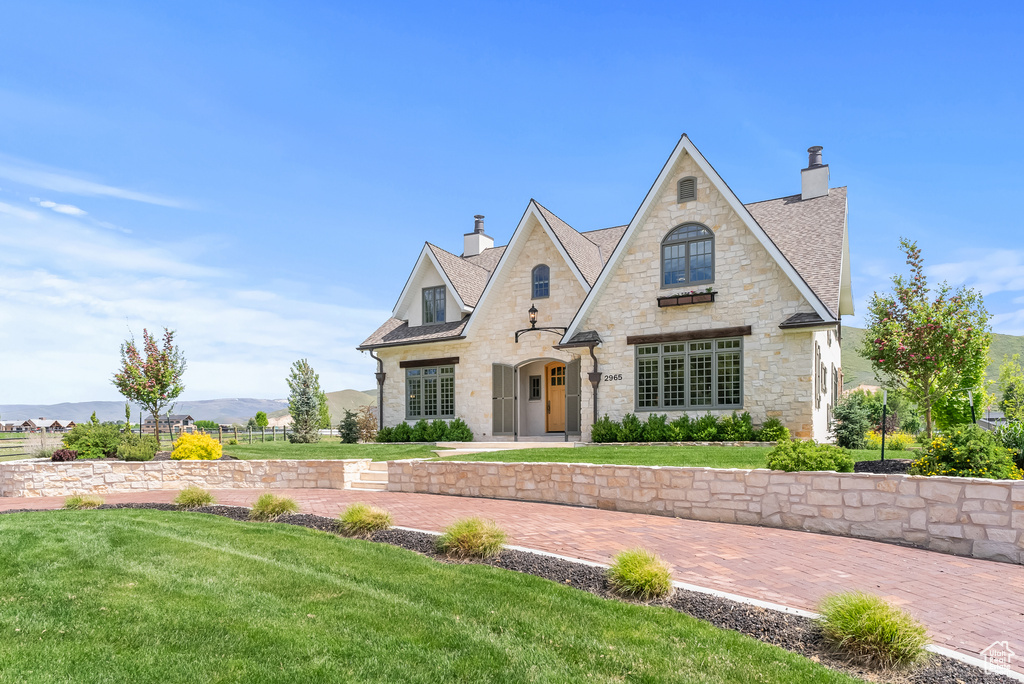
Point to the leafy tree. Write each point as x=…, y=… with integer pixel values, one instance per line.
x=207, y=424
x=93, y=420
x=349, y=428
x=261, y=419
x=1011, y=386
x=153, y=381
x=304, y=402
x=323, y=412
x=926, y=346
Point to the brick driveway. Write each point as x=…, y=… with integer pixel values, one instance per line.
x=966, y=603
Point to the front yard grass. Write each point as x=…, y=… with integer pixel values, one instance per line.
x=328, y=448
x=154, y=596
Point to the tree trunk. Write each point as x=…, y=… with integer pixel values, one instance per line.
x=156, y=426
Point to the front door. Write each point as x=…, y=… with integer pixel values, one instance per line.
x=554, y=381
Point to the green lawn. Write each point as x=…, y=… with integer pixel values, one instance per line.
x=329, y=448
x=151, y=596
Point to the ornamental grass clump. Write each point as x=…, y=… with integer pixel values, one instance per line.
x=270, y=507
x=967, y=451
x=362, y=520
x=193, y=447
x=472, y=538
x=801, y=456
x=83, y=501
x=640, y=574
x=193, y=497
x=872, y=630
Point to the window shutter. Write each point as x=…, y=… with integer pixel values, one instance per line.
x=572, y=397
x=687, y=189
x=502, y=399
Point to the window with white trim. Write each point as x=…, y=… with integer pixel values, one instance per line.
x=430, y=392
x=699, y=374
x=433, y=304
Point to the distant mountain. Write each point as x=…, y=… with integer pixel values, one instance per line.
x=337, y=402
x=217, y=410
x=857, y=369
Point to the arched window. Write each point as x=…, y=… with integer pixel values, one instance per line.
x=541, y=281
x=688, y=256
x=686, y=190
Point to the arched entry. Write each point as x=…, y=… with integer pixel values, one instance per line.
x=554, y=386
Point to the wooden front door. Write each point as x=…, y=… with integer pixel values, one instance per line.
x=554, y=381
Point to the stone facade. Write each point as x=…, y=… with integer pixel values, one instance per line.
x=22, y=478
x=967, y=517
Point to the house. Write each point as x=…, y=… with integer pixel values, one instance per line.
x=176, y=422
x=699, y=304
x=46, y=425
x=12, y=426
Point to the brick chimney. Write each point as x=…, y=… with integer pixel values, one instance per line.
x=477, y=241
x=814, y=179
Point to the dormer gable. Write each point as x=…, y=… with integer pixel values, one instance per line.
x=440, y=283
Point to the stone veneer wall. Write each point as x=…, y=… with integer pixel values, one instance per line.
x=966, y=517
x=21, y=478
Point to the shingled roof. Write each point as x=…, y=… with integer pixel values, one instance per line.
x=397, y=332
x=467, y=278
x=584, y=253
x=810, y=235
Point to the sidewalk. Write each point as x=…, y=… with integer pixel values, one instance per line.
x=966, y=603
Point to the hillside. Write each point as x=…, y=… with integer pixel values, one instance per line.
x=217, y=410
x=857, y=369
x=337, y=402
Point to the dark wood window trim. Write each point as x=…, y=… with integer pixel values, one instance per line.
x=423, y=363
x=690, y=335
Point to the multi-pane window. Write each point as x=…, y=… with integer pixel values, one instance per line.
x=690, y=375
x=541, y=281
x=433, y=304
x=688, y=256
x=430, y=392
x=535, y=386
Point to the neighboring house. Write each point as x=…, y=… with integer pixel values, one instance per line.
x=12, y=426
x=177, y=422
x=699, y=304
x=47, y=425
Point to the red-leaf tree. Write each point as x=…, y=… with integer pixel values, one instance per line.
x=925, y=345
x=154, y=382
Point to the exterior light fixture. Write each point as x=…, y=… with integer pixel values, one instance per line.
x=533, y=325
x=533, y=317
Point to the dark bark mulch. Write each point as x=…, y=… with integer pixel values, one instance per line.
x=793, y=633
x=890, y=466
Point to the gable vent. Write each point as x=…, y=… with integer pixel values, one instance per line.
x=687, y=189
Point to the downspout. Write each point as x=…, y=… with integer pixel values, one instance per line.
x=381, y=375
x=595, y=380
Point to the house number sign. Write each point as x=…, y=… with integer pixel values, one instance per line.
x=610, y=378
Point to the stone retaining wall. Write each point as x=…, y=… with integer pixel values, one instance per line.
x=34, y=478
x=967, y=517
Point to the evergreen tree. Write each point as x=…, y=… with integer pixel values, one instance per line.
x=349, y=428
x=304, y=402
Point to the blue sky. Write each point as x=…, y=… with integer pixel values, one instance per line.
x=261, y=176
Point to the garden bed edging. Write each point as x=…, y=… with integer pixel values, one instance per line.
x=46, y=478
x=961, y=516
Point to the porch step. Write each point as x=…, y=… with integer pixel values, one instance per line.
x=373, y=476
x=376, y=486
x=495, y=446
x=379, y=465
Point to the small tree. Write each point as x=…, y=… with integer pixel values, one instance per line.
x=304, y=402
x=1011, y=387
x=153, y=381
x=93, y=420
x=925, y=346
x=851, y=420
x=324, y=412
x=367, y=421
x=349, y=428
x=261, y=419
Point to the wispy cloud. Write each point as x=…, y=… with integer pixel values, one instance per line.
x=56, y=180
x=989, y=271
x=69, y=209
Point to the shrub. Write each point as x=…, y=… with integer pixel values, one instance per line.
x=736, y=428
x=640, y=574
x=967, y=451
x=80, y=502
x=64, y=455
x=192, y=447
x=605, y=430
x=367, y=423
x=897, y=441
x=270, y=507
x=361, y=520
x=632, y=429
x=437, y=432
x=92, y=440
x=458, y=431
x=1012, y=437
x=472, y=538
x=872, y=630
x=402, y=433
x=385, y=435
x=193, y=497
x=135, y=447
x=772, y=431
x=232, y=442
x=681, y=429
x=705, y=428
x=912, y=425
x=656, y=429
x=801, y=456
x=348, y=428
x=850, y=421
x=419, y=431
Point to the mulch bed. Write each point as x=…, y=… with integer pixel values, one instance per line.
x=793, y=633
x=890, y=466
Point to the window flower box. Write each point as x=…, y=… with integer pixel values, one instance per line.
x=685, y=298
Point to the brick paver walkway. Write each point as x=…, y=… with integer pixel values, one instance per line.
x=966, y=603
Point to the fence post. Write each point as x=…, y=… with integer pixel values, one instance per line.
x=250, y=435
x=235, y=428
x=220, y=434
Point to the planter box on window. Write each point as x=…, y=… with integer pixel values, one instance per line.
x=685, y=299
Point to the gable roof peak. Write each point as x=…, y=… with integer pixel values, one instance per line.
x=585, y=254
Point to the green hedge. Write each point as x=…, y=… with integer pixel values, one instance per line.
x=800, y=456
x=424, y=431
x=707, y=428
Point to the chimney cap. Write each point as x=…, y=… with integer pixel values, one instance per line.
x=478, y=223
x=814, y=156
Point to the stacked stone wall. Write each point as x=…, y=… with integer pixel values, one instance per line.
x=20, y=478
x=962, y=516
